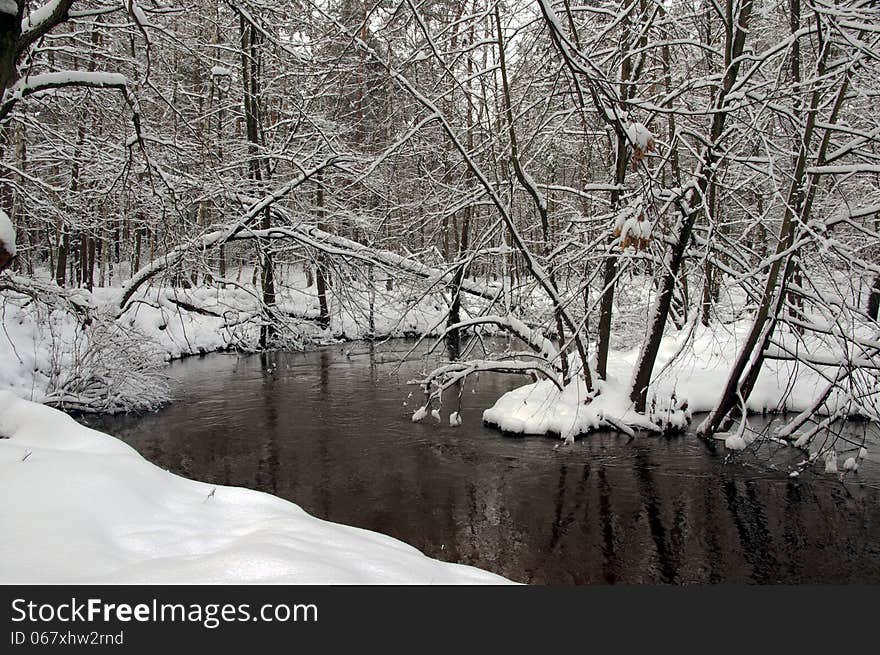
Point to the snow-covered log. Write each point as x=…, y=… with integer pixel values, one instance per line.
x=310, y=236
x=532, y=337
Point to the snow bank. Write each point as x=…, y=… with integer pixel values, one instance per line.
x=81, y=507
x=540, y=408
x=43, y=347
x=691, y=383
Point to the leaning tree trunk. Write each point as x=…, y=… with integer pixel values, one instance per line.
x=735, y=41
x=798, y=207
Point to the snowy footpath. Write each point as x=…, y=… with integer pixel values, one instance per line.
x=80, y=506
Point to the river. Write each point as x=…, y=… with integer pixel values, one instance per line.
x=328, y=429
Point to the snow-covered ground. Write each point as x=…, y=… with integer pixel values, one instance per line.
x=48, y=354
x=689, y=375
x=80, y=506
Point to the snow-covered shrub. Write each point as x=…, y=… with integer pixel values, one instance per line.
x=59, y=349
x=105, y=368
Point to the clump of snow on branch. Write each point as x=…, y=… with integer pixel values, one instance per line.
x=7, y=236
x=632, y=228
x=831, y=461
x=642, y=141
x=735, y=442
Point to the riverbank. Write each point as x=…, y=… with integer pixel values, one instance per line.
x=692, y=368
x=82, y=507
x=77, y=353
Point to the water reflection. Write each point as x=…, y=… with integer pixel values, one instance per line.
x=329, y=430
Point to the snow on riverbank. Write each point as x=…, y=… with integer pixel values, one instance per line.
x=80, y=506
x=691, y=383
x=51, y=355
x=540, y=408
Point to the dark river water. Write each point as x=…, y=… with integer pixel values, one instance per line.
x=329, y=431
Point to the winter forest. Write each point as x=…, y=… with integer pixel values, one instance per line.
x=625, y=221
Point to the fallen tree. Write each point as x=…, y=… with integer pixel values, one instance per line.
x=310, y=236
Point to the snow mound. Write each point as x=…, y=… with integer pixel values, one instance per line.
x=682, y=385
x=80, y=506
x=540, y=408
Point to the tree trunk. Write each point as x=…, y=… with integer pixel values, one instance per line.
x=737, y=29
x=797, y=210
x=874, y=300
x=250, y=58
x=320, y=280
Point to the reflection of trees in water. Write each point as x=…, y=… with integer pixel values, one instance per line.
x=753, y=539
x=667, y=557
x=610, y=545
x=641, y=523
x=268, y=465
x=324, y=487
x=318, y=430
